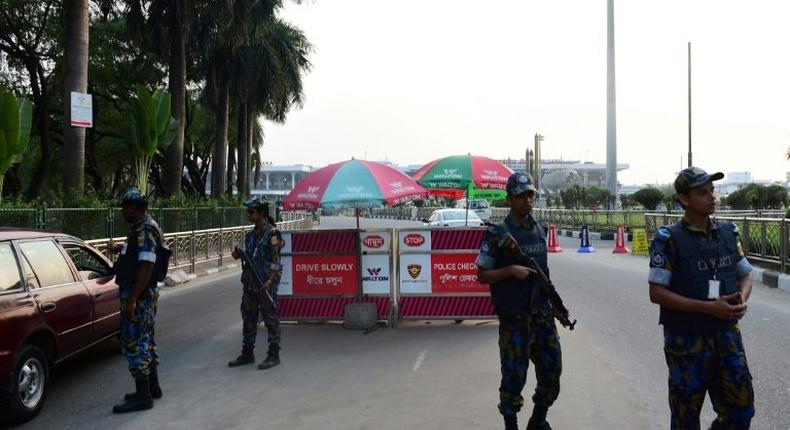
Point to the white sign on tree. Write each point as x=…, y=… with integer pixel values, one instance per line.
x=81, y=109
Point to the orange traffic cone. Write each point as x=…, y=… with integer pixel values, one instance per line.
x=620, y=247
x=554, y=244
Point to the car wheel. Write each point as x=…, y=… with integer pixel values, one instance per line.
x=27, y=386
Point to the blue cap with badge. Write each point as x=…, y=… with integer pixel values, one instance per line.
x=518, y=183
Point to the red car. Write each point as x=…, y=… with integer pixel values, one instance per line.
x=57, y=298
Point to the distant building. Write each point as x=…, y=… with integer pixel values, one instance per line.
x=592, y=174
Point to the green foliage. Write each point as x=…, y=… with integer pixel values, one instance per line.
x=15, y=119
x=594, y=197
x=151, y=129
x=648, y=197
x=756, y=196
x=670, y=197
x=571, y=198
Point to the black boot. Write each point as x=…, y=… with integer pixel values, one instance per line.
x=139, y=401
x=538, y=419
x=246, y=357
x=153, y=383
x=511, y=422
x=272, y=359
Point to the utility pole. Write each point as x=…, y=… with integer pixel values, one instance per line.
x=611, y=110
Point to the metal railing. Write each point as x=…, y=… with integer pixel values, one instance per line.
x=763, y=239
x=199, y=246
x=96, y=223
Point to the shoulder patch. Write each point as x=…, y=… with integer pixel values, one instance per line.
x=658, y=259
x=663, y=234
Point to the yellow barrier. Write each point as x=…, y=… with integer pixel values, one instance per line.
x=639, y=246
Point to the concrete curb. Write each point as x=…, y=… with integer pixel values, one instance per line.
x=772, y=279
x=180, y=276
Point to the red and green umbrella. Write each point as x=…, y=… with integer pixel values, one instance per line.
x=353, y=184
x=473, y=175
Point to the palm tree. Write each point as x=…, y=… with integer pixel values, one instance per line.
x=269, y=69
x=176, y=17
x=216, y=41
x=76, y=80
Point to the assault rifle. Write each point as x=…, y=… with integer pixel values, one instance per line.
x=246, y=264
x=517, y=254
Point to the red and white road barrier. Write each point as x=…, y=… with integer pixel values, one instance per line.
x=323, y=272
x=437, y=275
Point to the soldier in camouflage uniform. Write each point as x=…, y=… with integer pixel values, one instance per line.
x=527, y=331
x=262, y=245
x=137, y=270
x=700, y=278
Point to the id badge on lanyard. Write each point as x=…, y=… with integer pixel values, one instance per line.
x=713, y=288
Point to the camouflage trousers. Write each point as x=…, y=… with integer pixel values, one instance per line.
x=138, y=343
x=254, y=307
x=524, y=338
x=715, y=364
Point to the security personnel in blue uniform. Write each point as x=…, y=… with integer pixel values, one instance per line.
x=262, y=245
x=700, y=278
x=527, y=331
x=136, y=275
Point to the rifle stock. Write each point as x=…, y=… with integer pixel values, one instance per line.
x=561, y=313
x=246, y=264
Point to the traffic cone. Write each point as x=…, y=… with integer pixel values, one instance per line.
x=585, y=247
x=554, y=244
x=619, y=247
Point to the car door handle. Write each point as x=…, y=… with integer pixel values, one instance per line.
x=97, y=295
x=48, y=307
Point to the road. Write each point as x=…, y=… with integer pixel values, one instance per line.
x=427, y=375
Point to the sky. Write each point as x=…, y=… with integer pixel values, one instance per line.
x=410, y=81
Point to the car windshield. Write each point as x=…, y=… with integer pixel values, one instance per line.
x=456, y=215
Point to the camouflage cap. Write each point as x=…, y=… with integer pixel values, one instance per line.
x=518, y=183
x=131, y=195
x=257, y=202
x=693, y=177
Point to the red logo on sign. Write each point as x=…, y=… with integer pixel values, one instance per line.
x=374, y=241
x=414, y=239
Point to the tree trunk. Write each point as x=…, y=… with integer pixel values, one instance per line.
x=251, y=124
x=243, y=176
x=174, y=158
x=220, y=139
x=229, y=171
x=76, y=80
x=41, y=119
x=92, y=163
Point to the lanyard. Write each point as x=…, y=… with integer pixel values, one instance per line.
x=712, y=264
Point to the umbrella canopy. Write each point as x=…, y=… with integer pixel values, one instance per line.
x=353, y=184
x=477, y=176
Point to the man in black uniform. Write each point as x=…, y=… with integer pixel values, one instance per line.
x=527, y=331
x=700, y=278
x=137, y=271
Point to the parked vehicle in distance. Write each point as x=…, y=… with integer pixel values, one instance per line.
x=57, y=297
x=480, y=206
x=453, y=218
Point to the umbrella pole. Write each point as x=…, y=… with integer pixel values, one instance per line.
x=359, y=259
x=466, y=215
